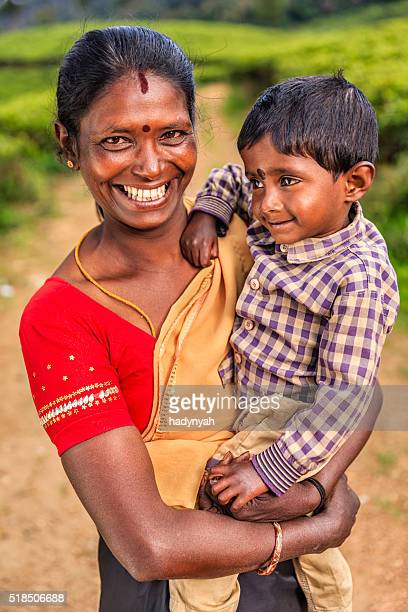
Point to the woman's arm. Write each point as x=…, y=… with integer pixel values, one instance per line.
x=113, y=476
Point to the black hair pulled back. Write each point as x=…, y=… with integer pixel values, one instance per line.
x=101, y=57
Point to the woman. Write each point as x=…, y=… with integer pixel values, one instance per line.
x=96, y=359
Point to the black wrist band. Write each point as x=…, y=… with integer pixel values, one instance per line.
x=322, y=493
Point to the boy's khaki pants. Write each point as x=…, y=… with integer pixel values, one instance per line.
x=325, y=578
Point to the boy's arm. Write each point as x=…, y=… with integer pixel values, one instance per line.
x=350, y=349
x=302, y=497
x=238, y=488
x=227, y=190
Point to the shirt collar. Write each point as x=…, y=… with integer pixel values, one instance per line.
x=315, y=249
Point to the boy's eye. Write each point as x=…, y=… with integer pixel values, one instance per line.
x=287, y=181
x=256, y=183
x=115, y=142
x=174, y=137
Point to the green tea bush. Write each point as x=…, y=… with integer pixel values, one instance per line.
x=373, y=55
x=18, y=81
x=23, y=185
x=386, y=204
x=39, y=45
x=29, y=114
x=374, y=58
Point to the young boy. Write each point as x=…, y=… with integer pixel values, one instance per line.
x=321, y=296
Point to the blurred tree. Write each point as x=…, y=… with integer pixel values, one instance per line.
x=17, y=13
x=302, y=10
x=230, y=10
x=271, y=11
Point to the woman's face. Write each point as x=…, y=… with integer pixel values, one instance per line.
x=137, y=150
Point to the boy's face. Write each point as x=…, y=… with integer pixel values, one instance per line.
x=294, y=197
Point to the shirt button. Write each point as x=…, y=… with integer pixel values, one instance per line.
x=254, y=284
x=284, y=248
x=238, y=358
x=248, y=324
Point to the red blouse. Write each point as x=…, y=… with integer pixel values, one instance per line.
x=89, y=370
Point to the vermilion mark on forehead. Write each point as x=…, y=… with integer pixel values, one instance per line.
x=261, y=173
x=146, y=128
x=144, y=85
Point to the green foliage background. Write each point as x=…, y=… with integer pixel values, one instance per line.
x=372, y=52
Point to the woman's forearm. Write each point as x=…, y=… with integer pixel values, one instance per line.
x=197, y=544
x=113, y=476
x=243, y=546
x=243, y=549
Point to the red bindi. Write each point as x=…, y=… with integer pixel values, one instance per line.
x=261, y=174
x=146, y=128
x=144, y=85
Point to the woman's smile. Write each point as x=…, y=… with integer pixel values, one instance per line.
x=144, y=195
x=143, y=198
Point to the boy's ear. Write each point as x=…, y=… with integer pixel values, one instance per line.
x=68, y=144
x=358, y=180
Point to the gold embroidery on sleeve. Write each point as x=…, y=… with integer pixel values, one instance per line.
x=85, y=401
x=62, y=398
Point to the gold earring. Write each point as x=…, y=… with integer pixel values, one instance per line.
x=70, y=164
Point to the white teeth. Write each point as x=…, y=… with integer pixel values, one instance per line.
x=145, y=195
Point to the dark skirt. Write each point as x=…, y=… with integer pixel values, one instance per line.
x=279, y=592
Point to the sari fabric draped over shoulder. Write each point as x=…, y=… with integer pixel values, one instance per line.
x=192, y=343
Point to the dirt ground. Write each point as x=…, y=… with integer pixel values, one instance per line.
x=47, y=541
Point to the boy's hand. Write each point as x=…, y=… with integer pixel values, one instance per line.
x=205, y=502
x=237, y=479
x=301, y=499
x=205, y=498
x=199, y=242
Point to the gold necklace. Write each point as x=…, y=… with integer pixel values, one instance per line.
x=106, y=291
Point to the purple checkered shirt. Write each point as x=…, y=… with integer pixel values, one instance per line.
x=313, y=314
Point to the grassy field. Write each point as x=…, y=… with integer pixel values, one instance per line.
x=371, y=45
x=372, y=55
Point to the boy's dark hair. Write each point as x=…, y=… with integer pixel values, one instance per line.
x=322, y=117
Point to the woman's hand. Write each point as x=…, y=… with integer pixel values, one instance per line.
x=305, y=535
x=199, y=242
x=339, y=514
x=301, y=499
x=329, y=529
